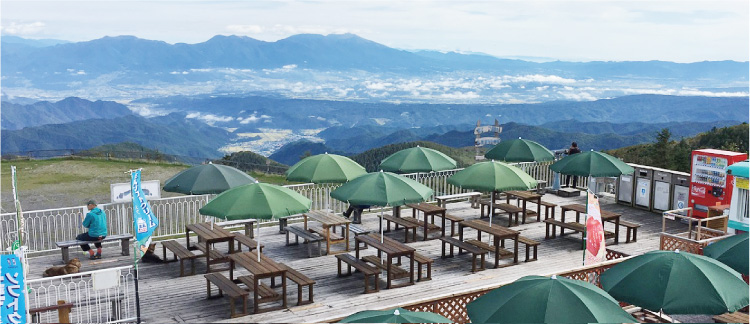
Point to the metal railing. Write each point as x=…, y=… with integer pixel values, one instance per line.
x=45, y=227
x=94, y=296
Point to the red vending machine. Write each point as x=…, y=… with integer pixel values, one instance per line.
x=710, y=185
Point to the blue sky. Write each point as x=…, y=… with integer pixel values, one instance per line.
x=681, y=31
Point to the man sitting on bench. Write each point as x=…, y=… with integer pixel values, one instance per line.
x=96, y=222
x=357, y=213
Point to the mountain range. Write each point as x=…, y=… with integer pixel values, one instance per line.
x=17, y=116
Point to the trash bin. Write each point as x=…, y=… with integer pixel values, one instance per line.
x=662, y=188
x=643, y=178
x=625, y=190
x=680, y=190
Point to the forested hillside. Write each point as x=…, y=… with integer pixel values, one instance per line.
x=370, y=159
x=667, y=153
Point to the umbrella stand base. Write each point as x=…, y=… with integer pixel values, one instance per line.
x=568, y=192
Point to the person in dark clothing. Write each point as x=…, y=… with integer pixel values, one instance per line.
x=357, y=210
x=96, y=222
x=572, y=150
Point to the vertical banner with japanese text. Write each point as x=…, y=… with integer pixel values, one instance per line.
x=144, y=220
x=12, y=296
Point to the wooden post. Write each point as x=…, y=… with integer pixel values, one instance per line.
x=63, y=313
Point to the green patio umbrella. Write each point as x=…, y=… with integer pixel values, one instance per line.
x=537, y=299
x=740, y=169
x=494, y=177
x=382, y=189
x=325, y=168
x=591, y=164
x=732, y=251
x=207, y=179
x=257, y=201
x=677, y=283
x=398, y=315
x=520, y=150
x=417, y=159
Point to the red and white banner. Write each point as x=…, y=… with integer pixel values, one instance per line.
x=595, y=249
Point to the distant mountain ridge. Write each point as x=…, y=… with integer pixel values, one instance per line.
x=17, y=116
x=51, y=66
x=172, y=134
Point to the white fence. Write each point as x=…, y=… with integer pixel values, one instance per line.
x=45, y=227
x=102, y=296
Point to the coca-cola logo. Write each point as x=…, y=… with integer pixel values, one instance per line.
x=698, y=191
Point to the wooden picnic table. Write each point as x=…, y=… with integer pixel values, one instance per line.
x=209, y=234
x=606, y=217
x=428, y=210
x=266, y=268
x=526, y=196
x=392, y=249
x=328, y=221
x=498, y=232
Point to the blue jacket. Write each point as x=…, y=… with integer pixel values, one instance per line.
x=96, y=222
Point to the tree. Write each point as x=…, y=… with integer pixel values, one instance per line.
x=304, y=155
x=661, y=154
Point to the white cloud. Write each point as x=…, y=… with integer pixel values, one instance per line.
x=245, y=29
x=553, y=79
x=22, y=29
x=210, y=119
x=577, y=96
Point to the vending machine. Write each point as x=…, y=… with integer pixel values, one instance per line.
x=709, y=183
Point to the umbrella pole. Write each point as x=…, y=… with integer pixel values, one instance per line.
x=492, y=207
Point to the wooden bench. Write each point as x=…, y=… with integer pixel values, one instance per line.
x=123, y=238
x=442, y=201
x=736, y=317
x=246, y=241
x=504, y=254
x=423, y=260
x=631, y=228
x=308, y=238
x=454, y=220
x=360, y=266
x=213, y=255
x=357, y=231
x=229, y=288
x=301, y=281
x=179, y=252
x=420, y=224
x=404, y=223
x=475, y=251
x=284, y=222
x=320, y=231
x=247, y=223
x=529, y=244
x=547, y=207
x=574, y=226
x=511, y=210
x=396, y=271
x=63, y=312
x=265, y=293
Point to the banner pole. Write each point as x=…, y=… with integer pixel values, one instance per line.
x=135, y=279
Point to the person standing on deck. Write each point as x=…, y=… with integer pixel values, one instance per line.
x=572, y=150
x=96, y=222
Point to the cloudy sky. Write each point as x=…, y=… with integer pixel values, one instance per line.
x=682, y=31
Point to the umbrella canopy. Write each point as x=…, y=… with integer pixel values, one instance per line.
x=382, y=189
x=591, y=164
x=520, y=150
x=325, y=168
x=740, y=169
x=258, y=201
x=732, y=251
x=492, y=176
x=537, y=299
x=417, y=159
x=398, y=315
x=677, y=283
x=207, y=179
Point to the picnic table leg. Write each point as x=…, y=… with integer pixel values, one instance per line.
x=515, y=249
x=347, y=237
x=617, y=230
x=328, y=240
x=388, y=272
x=562, y=217
x=283, y=290
x=497, y=252
x=523, y=220
x=460, y=237
x=425, y=227
x=208, y=257
x=443, y=229
x=187, y=238
x=411, y=268
x=539, y=209
x=255, y=294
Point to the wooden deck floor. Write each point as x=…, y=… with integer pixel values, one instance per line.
x=167, y=298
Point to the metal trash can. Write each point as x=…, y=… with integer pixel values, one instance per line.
x=625, y=190
x=680, y=190
x=643, y=178
x=662, y=189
